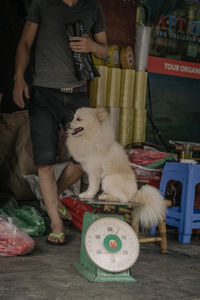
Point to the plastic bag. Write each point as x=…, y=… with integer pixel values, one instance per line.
x=150, y=158
x=77, y=209
x=33, y=182
x=147, y=176
x=13, y=241
x=27, y=218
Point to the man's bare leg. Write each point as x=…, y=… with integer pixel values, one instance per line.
x=70, y=174
x=48, y=187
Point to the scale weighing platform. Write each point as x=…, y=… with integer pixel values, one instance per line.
x=109, y=246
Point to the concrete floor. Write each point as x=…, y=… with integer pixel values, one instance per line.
x=47, y=273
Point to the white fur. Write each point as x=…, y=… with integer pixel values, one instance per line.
x=106, y=163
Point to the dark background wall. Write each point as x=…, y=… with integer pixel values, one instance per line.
x=120, y=19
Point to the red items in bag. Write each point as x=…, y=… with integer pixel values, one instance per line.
x=150, y=158
x=13, y=241
x=147, y=176
x=147, y=165
x=77, y=208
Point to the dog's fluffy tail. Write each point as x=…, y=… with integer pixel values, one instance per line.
x=152, y=208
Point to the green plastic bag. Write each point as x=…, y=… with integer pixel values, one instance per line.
x=26, y=217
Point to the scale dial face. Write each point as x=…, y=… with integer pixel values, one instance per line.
x=112, y=244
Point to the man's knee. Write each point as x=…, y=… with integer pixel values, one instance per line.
x=74, y=168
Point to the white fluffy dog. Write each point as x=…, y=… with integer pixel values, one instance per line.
x=91, y=142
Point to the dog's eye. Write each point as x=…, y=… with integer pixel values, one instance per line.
x=78, y=119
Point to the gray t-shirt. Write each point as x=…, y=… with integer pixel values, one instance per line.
x=54, y=66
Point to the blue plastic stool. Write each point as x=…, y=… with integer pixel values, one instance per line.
x=185, y=217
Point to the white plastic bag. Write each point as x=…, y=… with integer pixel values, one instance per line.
x=13, y=241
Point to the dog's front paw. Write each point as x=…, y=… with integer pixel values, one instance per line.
x=86, y=195
x=107, y=198
x=103, y=196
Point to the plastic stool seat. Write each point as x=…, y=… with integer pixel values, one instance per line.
x=184, y=217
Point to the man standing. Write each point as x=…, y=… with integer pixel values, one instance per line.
x=56, y=92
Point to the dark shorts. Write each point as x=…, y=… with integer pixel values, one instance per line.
x=48, y=109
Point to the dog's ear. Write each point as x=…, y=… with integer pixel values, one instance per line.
x=102, y=114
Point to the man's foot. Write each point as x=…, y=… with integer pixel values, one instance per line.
x=64, y=213
x=56, y=239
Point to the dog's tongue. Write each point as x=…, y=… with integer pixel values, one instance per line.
x=76, y=130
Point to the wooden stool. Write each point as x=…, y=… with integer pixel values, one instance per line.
x=161, y=238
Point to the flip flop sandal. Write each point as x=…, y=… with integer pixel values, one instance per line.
x=58, y=236
x=64, y=212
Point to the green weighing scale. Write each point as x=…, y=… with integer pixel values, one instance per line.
x=109, y=247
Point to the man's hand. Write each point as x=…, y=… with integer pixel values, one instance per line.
x=82, y=44
x=20, y=89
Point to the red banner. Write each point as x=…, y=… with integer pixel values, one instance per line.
x=173, y=67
